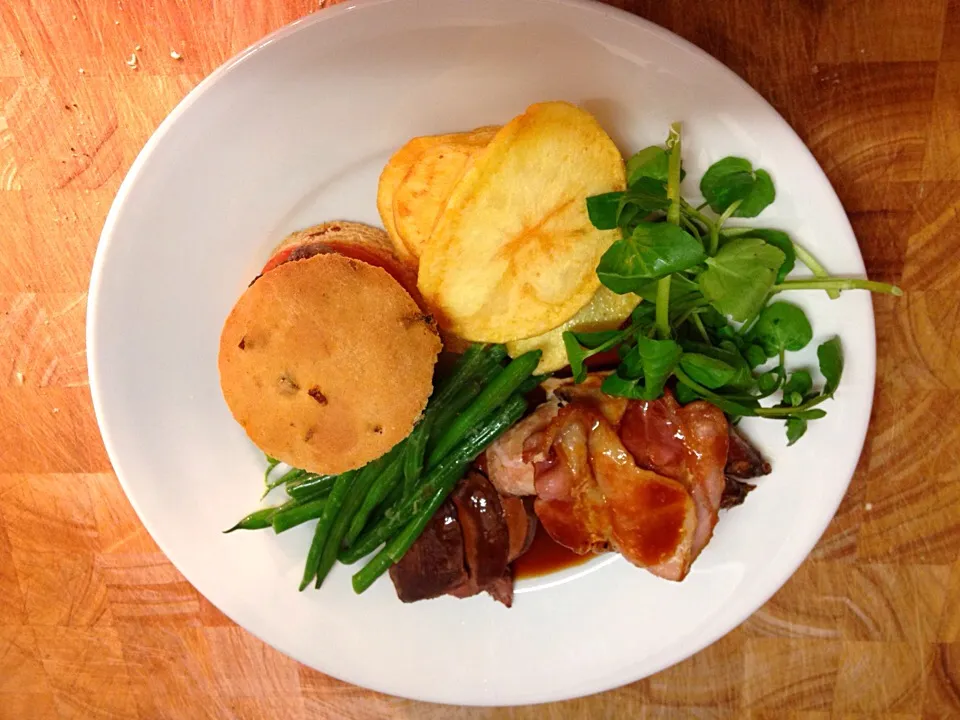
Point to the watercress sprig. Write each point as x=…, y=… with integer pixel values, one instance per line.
x=707, y=320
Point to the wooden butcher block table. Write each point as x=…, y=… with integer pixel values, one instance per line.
x=95, y=622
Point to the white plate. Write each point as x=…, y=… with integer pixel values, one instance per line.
x=293, y=132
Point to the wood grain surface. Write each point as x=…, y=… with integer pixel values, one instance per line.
x=96, y=623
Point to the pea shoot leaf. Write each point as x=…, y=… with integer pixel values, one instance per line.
x=781, y=241
x=618, y=386
x=576, y=356
x=685, y=394
x=781, y=326
x=738, y=279
x=653, y=250
x=657, y=360
x=595, y=339
x=755, y=355
x=796, y=428
x=830, y=355
x=707, y=371
x=645, y=196
x=651, y=162
x=732, y=179
x=800, y=383
x=768, y=382
x=727, y=353
x=604, y=209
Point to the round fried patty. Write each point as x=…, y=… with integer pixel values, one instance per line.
x=327, y=362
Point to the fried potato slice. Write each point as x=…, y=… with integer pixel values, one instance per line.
x=605, y=311
x=514, y=253
x=425, y=190
x=399, y=166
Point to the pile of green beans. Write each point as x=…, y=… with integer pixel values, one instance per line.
x=389, y=501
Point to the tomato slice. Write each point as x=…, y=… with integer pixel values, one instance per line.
x=279, y=259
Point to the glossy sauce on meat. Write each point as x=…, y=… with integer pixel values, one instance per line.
x=591, y=496
x=688, y=444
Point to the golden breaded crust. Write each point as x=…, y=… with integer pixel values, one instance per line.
x=327, y=363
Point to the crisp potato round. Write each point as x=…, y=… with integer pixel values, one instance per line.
x=605, y=311
x=514, y=253
x=327, y=362
x=425, y=190
x=397, y=169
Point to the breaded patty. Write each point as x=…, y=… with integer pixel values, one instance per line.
x=327, y=362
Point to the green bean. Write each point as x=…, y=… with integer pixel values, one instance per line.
x=473, y=362
x=272, y=462
x=492, y=396
x=444, y=472
x=390, y=502
x=440, y=483
x=330, y=510
x=289, y=476
x=531, y=383
x=447, y=413
x=381, y=488
x=257, y=520
x=288, y=517
x=351, y=502
x=311, y=487
x=416, y=449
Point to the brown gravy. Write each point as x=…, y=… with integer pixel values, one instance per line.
x=544, y=557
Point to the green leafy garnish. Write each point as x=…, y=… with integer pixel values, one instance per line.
x=796, y=428
x=706, y=319
x=782, y=242
x=655, y=360
x=733, y=179
x=781, y=326
x=645, y=196
x=738, y=280
x=709, y=372
x=830, y=355
x=604, y=209
x=799, y=384
x=653, y=250
x=650, y=162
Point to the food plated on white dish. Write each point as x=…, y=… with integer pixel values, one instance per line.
x=530, y=350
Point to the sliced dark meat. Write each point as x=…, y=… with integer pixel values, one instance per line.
x=744, y=461
x=434, y=565
x=734, y=492
x=501, y=589
x=486, y=540
x=521, y=525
